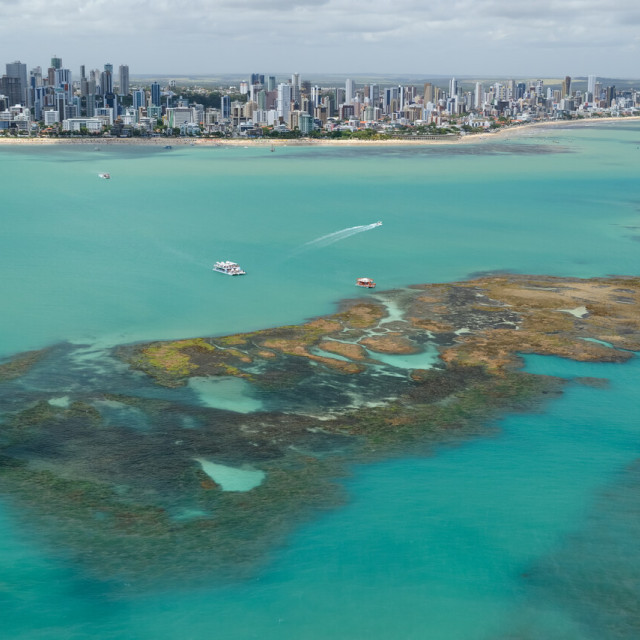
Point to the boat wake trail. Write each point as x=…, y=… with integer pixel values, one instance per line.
x=182, y=255
x=336, y=236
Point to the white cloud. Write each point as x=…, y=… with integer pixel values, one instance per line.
x=440, y=36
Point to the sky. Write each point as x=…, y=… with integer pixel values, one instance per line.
x=488, y=38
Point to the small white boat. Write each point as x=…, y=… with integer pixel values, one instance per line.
x=229, y=268
x=377, y=224
x=104, y=176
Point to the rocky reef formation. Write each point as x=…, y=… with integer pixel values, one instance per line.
x=115, y=474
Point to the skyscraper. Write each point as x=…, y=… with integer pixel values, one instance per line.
x=316, y=92
x=155, y=94
x=453, y=87
x=124, y=80
x=374, y=94
x=225, y=107
x=56, y=63
x=10, y=87
x=284, y=101
x=19, y=70
x=591, y=85
x=597, y=91
x=610, y=95
x=428, y=93
x=350, y=89
x=478, y=99
x=566, y=86
x=106, y=80
x=139, y=98
x=295, y=88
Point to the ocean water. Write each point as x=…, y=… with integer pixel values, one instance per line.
x=529, y=534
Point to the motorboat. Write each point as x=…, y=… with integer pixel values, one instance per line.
x=366, y=283
x=229, y=268
x=104, y=176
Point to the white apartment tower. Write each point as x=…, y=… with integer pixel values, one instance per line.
x=350, y=89
x=284, y=101
x=453, y=87
x=478, y=99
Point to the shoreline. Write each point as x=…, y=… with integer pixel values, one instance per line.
x=308, y=142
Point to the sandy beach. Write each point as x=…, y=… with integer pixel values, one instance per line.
x=512, y=130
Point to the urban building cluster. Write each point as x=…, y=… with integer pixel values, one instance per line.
x=99, y=102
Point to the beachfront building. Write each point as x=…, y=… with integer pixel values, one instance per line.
x=305, y=123
x=92, y=125
x=178, y=116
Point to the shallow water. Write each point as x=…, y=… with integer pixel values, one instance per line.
x=528, y=534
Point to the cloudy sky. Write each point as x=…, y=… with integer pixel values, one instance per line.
x=533, y=38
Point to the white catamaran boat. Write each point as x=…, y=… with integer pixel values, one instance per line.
x=229, y=268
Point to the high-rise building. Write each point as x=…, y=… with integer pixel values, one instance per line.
x=401, y=98
x=374, y=95
x=566, y=86
x=305, y=123
x=271, y=83
x=597, y=91
x=316, y=92
x=225, y=107
x=453, y=87
x=155, y=94
x=284, y=101
x=10, y=87
x=349, y=91
x=139, y=98
x=56, y=63
x=19, y=70
x=591, y=85
x=478, y=98
x=391, y=99
x=610, y=95
x=35, y=82
x=428, y=93
x=124, y=80
x=90, y=103
x=106, y=80
x=295, y=88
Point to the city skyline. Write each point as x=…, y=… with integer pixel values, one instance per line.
x=95, y=104
x=490, y=37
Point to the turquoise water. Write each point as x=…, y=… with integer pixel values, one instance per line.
x=528, y=534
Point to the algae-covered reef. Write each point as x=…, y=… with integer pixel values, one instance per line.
x=135, y=475
x=20, y=364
